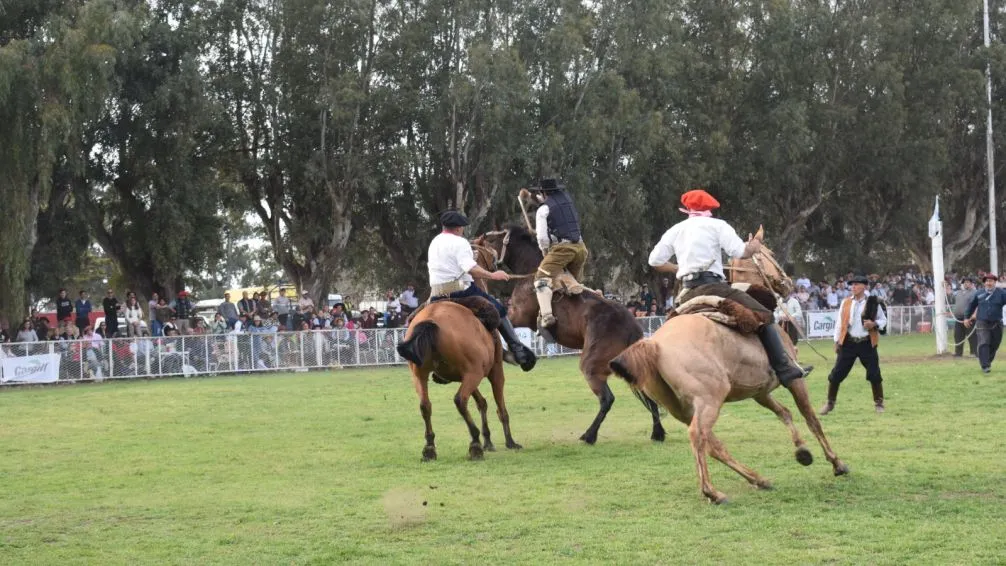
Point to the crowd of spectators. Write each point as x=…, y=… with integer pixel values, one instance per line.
x=909, y=288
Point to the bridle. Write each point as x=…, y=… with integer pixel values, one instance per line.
x=501, y=257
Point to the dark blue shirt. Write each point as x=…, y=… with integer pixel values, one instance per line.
x=83, y=308
x=989, y=305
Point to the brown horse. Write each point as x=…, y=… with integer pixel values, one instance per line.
x=692, y=366
x=600, y=328
x=462, y=347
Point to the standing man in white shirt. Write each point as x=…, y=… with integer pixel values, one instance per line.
x=451, y=265
x=856, y=336
x=699, y=243
x=791, y=317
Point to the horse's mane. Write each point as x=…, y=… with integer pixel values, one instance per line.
x=520, y=233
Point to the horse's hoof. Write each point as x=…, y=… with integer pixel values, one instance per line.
x=429, y=454
x=764, y=485
x=658, y=435
x=718, y=498
x=804, y=456
x=475, y=452
x=841, y=469
x=589, y=439
x=513, y=445
x=488, y=447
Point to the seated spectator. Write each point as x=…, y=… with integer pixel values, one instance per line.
x=27, y=332
x=219, y=324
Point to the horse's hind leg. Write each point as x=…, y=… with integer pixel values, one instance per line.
x=718, y=451
x=469, y=383
x=703, y=419
x=803, y=455
x=798, y=387
x=596, y=370
x=496, y=379
x=658, y=433
x=421, y=381
x=483, y=406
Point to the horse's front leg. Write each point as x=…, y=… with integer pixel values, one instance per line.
x=496, y=378
x=798, y=388
x=483, y=407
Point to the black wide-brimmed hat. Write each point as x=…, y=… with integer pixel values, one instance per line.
x=859, y=279
x=453, y=219
x=548, y=184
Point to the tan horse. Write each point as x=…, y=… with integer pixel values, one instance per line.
x=446, y=337
x=692, y=366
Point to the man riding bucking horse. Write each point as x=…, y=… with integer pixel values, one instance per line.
x=699, y=243
x=451, y=265
x=557, y=227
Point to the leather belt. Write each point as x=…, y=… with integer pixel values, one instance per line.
x=856, y=340
x=700, y=274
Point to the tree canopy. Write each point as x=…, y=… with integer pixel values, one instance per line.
x=164, y=132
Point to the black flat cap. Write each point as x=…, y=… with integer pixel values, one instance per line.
x=453, y=219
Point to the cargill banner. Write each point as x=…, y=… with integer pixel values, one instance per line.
x=31, y=369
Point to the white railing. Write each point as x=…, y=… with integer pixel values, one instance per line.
x=211, y=354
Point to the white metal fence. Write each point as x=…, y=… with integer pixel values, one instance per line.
x=124, y=358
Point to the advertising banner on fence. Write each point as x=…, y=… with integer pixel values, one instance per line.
x=821, y=324
x=31, y=369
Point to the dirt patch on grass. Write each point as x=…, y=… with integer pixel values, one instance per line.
x=404, y=507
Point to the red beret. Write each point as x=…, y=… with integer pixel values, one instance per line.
x=699, y=200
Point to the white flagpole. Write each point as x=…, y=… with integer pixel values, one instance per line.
x=989, y=157
x=939, y=286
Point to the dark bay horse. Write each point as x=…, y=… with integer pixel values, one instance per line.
x=446, y=337
x=600, y=328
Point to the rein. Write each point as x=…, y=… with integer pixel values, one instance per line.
x=779, y=300
x=498, y=257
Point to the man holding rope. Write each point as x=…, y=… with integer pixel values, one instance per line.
x=986, y=309
x=960, y=311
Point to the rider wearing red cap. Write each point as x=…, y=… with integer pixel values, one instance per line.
x=699, y=243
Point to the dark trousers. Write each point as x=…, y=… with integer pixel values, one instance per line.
x=847, y=356
x=473, y=290
x=960, y=332
x=990, y=335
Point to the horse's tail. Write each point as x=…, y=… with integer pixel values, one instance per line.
x=637, y=363
x=421, y=344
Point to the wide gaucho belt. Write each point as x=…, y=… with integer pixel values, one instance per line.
x=444, y=289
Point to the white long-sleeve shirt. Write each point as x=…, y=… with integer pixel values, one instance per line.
x=856, y=329
x=541, y=228
x=698, y=243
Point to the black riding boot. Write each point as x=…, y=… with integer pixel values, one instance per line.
x=878, y=396
x=522, y=354
x=785, y=370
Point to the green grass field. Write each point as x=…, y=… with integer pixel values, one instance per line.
x=324, y=468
